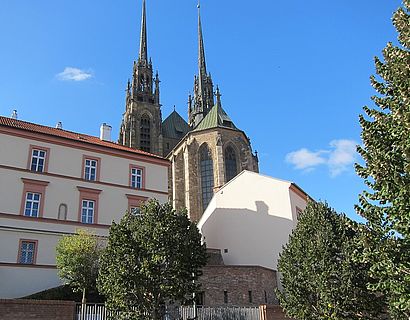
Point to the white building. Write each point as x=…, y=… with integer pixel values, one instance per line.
x=251, y=217
x=54, y=181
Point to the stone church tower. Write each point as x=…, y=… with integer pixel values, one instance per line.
x=142, y=120
x=205, y=153
x=213, y=152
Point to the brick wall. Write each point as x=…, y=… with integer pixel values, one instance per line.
x=36, y=309
x=244, y=285
x=272, y=312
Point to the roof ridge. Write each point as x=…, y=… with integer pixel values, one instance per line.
x=71, y=135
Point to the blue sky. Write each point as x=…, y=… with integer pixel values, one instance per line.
x=293, y=75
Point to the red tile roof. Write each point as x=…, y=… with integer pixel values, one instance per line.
x=32, y=127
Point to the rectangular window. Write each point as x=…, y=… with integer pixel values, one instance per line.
x=32, y=204
x=299, y=212
x=90, y=169
x=38, y=160
x=250, y=296
x=27, y=252
x=225, y=296
x=136, y=178
x=87, y=211
x=136, y=211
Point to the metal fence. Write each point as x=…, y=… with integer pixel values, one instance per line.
x=100, y=312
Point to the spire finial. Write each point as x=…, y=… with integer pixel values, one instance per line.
x=143, y=54
x=218, y=96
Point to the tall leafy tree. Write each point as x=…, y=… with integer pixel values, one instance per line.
x=77, y=258
x=151, y=259
x=386, y=172
x=320, y=278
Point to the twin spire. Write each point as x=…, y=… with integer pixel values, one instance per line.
x=143, y=55
x=203, y=99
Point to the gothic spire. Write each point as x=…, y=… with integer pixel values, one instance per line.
x=143, y=54
x=201, y=49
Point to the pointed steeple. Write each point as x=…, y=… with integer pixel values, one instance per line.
x=143, y=54
x=142, y=119
x=201, y=48
x=203, y=87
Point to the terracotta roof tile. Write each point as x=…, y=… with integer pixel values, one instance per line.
x=28, y=126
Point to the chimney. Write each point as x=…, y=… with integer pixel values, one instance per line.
x=14, y=115
x=59, y=125
x=105, y=132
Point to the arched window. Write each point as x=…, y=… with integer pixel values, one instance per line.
x=230, y=163
x=145, y=134
x=62, y=212
x=207, y=175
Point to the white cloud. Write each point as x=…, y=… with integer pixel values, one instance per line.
x=339, y=157
x=305, y=159
x=74, y=74
x=342, y=157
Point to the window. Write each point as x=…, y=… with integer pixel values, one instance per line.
x=200, y=298
x=90, y=172
x=38, y=158
x=88, y=208
x=134, y=203
x=27, y=252
x=87, y=211
x=299, y=212
x=136, y=211
x=32, y=206
x=137, y=177
x=207, y=175
x=145, y=134
x=32, y=202
x=266, y=297
x=91, y=168
x=250, y=296
x=230, y=164
x=225, y=296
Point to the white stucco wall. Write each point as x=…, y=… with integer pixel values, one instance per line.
x=252, y=217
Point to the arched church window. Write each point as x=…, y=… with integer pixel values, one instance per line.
x=230, y=163
x=145, y=134
x=207, y=175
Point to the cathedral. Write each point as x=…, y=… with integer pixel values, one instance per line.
x=205, y=152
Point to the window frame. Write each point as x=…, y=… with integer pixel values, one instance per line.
x=136, y=167
x=21, y=241
x=33, y=186
x=228, y=163
x=135, y=201
x=88, y=194
x=30, y=158
x=97, y=168
x=85, y=205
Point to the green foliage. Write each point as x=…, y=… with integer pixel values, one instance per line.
x=151, y=259
x=321, y=280
x=386, y=172
x=77, y=260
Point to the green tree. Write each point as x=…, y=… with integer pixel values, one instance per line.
x=151, y=259
x=386, y=153
x=77, y=260
x=321, y=280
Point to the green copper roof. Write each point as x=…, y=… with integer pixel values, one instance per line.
x=174, y=126
x=216, y=117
